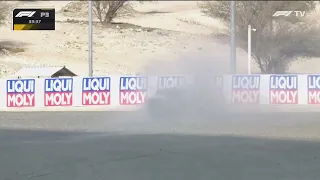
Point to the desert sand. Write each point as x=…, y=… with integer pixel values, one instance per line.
x=157, y=31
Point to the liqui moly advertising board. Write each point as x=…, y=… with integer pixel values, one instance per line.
x=283, y=89
x=133, y=90
x=58, y=92
x=166, y=82
x=246, y=89
x=313, y=89
x=21, y=93
x=96, y=91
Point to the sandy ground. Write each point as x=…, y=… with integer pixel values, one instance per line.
x=275, y=125
x=183, y=31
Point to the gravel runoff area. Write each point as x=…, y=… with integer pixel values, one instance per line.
x=128, y=146
x=266, y=123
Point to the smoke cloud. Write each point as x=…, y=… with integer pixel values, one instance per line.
x=203, y=100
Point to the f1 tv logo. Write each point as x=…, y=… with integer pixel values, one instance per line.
x=288, y=13
x=25, y=14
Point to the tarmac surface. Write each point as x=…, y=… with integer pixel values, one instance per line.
x=112, y=146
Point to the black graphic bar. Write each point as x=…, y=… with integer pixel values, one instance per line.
x=33, y=19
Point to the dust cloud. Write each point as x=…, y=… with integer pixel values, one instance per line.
x=203, y=111
x=203, y=99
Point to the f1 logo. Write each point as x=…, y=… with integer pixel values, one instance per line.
x=25, y=14
x=287, y=13
x=282, y=13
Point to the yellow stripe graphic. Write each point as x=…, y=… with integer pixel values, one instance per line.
x=28, y=27
x=19, y=26
x=25, y=27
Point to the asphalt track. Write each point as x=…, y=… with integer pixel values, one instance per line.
x=130, y=155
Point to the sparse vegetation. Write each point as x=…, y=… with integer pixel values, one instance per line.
x=11, y=50
x=3, y=17
x=278, y=41
x=106, y=11
x=16, y=50
x=3, y=11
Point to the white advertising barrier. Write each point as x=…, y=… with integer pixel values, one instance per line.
x=82, y=91
x=131, y=91
x=274, y=89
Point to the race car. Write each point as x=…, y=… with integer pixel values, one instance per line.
x=186, y=101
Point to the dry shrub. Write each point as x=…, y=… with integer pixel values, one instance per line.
x=278, y=41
